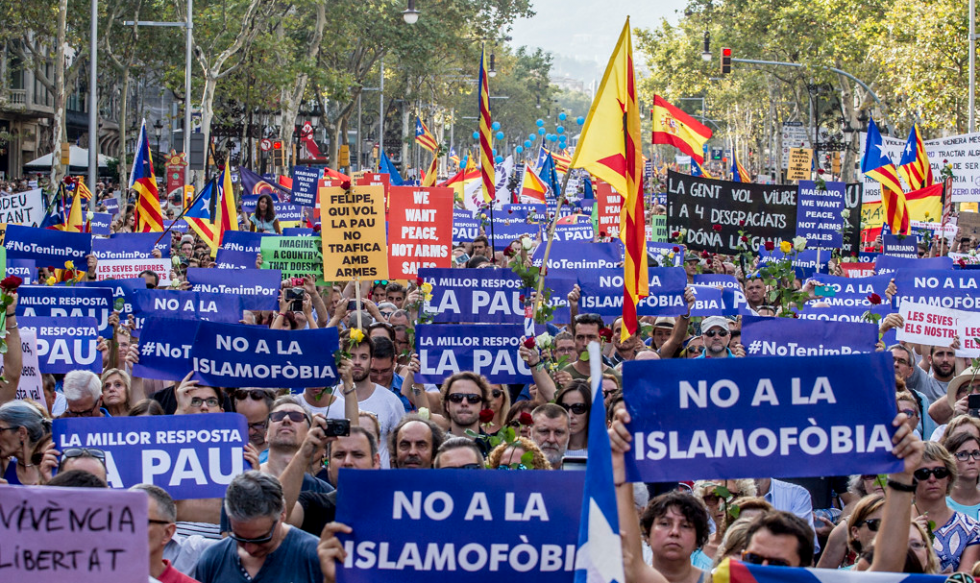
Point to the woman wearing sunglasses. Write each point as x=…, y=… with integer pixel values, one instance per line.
x=863, y=525
x=500, y=405
x=576, y=398
x=965, y=496
x=957, y=536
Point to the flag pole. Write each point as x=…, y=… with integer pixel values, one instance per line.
x=180, y=216
x=551, y=237
x=493, y=250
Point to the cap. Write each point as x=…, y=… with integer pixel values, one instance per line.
x=714, y=322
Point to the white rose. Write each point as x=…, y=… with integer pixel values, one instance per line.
x=845, y=214
x=527, y=243
x=799, y=243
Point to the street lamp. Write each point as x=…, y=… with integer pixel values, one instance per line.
x=411, y=15
x=706, y=54
x=158, y=129
x=493, y=69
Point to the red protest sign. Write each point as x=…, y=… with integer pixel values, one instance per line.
x=858, y=269
x=420, y=230
x=372, y=178
x=610, y=204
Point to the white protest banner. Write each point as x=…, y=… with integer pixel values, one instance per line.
x=23, y=208
x=62, y=535
x=926, y=324
x=968, y=329
x=30, y=386
x=132, y=268
x=960, y=152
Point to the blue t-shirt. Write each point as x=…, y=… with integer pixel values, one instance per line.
x=295, y=561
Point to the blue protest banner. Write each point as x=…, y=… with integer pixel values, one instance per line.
x=664, y=254
x=297, y=232
x=465, y=229
x=813, y=312
x=244, y=241
x=895, y=246
x=189, y=456
x=47, y=247
x=489, y=296
x=888, y=264
x=179, y=226
x=793, y=337
x=717, y=280
x=259, y=288
x=165, y=303
x=445, y=350
x=410, y=528
x=818, y=214
x=65, y=344
x=121, y=288
x=805, y=262
x=285, y=211
x=131, y=246
x=715, y=301
x=504, y=234
x=112, y=206
x=165, y=348
x=101, y=224
x=233, y=355
x=228, y=259
x=577, y=232
x=22, y=268
x=768, y=416
x=578, y=255
x=305, y=182
x=938, y=287
x=602, y=292
x=851, y=291
x=65, y=302
x=462, y=214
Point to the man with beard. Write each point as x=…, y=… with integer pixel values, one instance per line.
x=716, y=335
x=551, y=431
x=943, y=370
x=371, y=396
x=623, y=349
x=413, y=443
x=464, y=395
x=289, y=424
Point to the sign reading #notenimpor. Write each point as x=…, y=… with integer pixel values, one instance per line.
x=724, y=418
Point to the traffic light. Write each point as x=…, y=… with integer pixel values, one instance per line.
x=196, y=160
x=726, y=61
x=278, y=155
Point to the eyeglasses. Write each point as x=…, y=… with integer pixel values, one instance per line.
x=873, y=524
x=381, y=282
x=695, y=349
x=922, y=474
x=154, y=521
x=755, y=559
x=294, y=416
x=2, y=429
x=258, y=426
x=210, y=402
x=85, y=413
x=910, y=413
x=965, y=455
x=497, y=393
x=466, y=467
x=917, y=545
x=73, y=452
x=901, y=361
x=254, y=394
x=471, y=398
x=254, y=541
x=712, y=499
x=713, y=333
x=577, y=408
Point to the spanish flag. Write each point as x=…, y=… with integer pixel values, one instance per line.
x=533, y=189
x=926, y=204
x=610, y=148
x=149, y=217
x=486, y=139
x=673, y=127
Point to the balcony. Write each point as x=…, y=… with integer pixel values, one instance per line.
x=18, y=97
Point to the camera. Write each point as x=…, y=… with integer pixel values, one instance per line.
x=295, y=295
x=340, y=427
x=973, y=403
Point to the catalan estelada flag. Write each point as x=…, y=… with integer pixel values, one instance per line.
x=533, y=189
x=673, y=127
x=876, y=164
x=424, y=137
x=610, y=148
x=198, y=216
x=83, y=190
x=698, y=170
x=149, y=217
x=486, y=146
x=914, y=165
x=561, y=162
x=731, y=571
x=227, y=210
x=453, y=157
x=75, y=221
x=739, y=173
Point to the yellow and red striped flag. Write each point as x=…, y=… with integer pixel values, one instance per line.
x=532, y=187
x=914, y=165
x=432, y=174
x=673, y=127
x=227, y=212
x=561, y=162
x=876, y=164
x=610, y=148
x=424, y=137
x=486, y=146
x=149, y=216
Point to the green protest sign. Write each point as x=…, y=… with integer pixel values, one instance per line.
x=294, y=256
x=658, y=226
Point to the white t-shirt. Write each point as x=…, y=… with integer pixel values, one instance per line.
x=389, y=409
x=576, y=453
x=334, y=410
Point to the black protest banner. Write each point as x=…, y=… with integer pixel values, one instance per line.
x=853, y=197
x=710, y=211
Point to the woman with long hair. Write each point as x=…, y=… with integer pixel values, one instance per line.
x=500, y=405
x=24, y=434
x=116, y=393
x=576, y=398
x=263, y=219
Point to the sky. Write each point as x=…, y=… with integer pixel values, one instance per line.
x=584, y=32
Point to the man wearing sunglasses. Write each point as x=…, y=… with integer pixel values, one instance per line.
x=779, y=539
x=716, y=335
x=260, y=543
x=255, y=405
x=463, y=396
x=459, y=453
x=289, y=424
x=86, y=459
